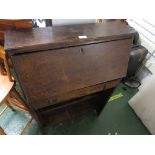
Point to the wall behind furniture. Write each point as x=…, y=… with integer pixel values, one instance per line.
x=146, y=30
x=56, y=22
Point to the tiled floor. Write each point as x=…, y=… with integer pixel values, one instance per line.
x=116, y=118
x=13, y=122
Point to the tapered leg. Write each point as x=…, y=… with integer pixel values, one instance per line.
x=2, y=131
x=17, y=104
x=9, y=105
x=17, y=96
x=16, y=99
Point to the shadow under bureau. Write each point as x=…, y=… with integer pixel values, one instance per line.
x=67, y=70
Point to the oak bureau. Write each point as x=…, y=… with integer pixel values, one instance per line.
x=64, y=71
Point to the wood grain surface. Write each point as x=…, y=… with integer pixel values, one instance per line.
x=21, y=41
x=61, y=75
x=47, y=75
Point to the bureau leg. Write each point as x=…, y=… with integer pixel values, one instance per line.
x=2, y=131
x=103, y=99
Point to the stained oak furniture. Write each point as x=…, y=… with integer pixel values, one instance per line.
x=67, y=70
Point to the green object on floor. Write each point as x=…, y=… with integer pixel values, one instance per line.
x=114, y=97
x=117, y=118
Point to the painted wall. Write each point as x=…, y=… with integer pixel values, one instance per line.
x=71, y=21
x=146, y=30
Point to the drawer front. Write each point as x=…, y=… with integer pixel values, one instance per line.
x=69, y=110
x=82, y=92
x=46, y=74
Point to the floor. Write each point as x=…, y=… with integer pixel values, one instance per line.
x=117, y=118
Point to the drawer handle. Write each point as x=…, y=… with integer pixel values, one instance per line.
x=81, y=50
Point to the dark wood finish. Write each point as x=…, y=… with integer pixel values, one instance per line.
x=10, y=24
x=72, y=70
x=68, y=110
x=58, y=71
x=7, y=24
x=63, y=36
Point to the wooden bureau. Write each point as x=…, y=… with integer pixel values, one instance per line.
x=66, y=70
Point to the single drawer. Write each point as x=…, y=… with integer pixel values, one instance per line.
x=82, y=92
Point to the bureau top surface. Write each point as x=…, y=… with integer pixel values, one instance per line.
x=35, y=39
